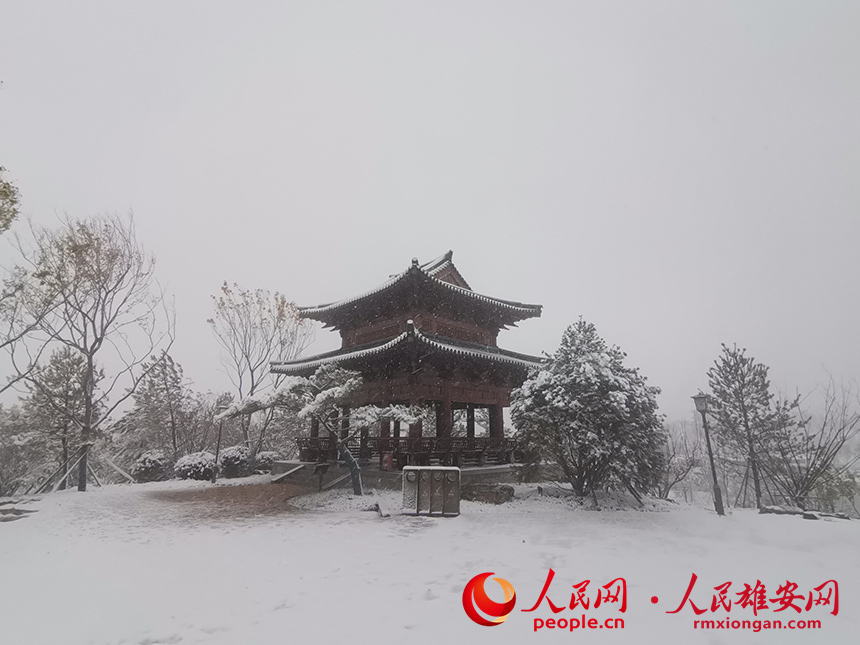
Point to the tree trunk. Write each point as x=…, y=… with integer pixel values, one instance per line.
x=755, y=474
x=169, y=395
x=246, y=428
x=65, y=443
x=346, y=455
x=82, y=464
x=173, y=435
x=354, y=469
x=257, y=446
x=86, y=429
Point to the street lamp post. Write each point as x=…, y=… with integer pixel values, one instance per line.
x=701, y=401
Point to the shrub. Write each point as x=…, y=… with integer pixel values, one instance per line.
x=151, y=466
x=265, y=460
x=235, y=461
x=197, y=465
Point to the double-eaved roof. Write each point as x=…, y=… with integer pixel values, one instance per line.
x=351, y=357
x=433, y=285
x=378, y=329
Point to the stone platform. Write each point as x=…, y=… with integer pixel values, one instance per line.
x=303, y=473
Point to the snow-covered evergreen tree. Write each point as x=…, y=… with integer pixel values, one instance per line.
x=25, y=452
x=55, y=407
x=590, y=415
x=162, y=409
x=168, y=416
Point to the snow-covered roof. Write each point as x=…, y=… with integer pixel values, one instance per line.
x=435, y=266
x=444, y=262
x=439, y=343
x=475, y=350
x=428, y=271
x=336, y=356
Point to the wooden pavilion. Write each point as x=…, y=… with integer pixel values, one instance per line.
x=424, y=337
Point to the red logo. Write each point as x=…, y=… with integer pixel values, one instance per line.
x=475, y=596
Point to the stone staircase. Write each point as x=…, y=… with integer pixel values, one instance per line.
x=10, y=509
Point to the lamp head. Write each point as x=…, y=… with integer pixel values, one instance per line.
x=701, y=401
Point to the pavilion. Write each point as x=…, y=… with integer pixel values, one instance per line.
x=423, y=337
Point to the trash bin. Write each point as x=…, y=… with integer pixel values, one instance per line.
x=431, y=490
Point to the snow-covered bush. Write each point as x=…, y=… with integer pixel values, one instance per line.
x=151, y=466
x=197, y=465
x=235, y=461
x=265, y=460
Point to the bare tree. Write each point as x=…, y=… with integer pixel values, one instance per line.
x=18, y=315
x=24, y=303
x=682, y=454
x=254, y=328
x=803, y=448
x=105, y=304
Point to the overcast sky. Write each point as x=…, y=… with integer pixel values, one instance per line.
x=680, y=174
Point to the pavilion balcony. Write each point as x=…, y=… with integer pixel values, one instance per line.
x=396, y=452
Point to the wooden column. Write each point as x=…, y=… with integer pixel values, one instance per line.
x=437, y=407
x=385, y=447
x=416, y=430
x=415, y=457
x=444, y=418
x=364, y=445
x=397, y=429
x=315, y=427
x=497, y=427
x=470, y=421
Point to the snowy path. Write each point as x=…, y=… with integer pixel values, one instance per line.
x=121, y=565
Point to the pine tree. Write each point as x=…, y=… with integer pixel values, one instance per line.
x=56, y=405
x=743, y=408
x=23, y=452
x=590, y=415
x=162, y=409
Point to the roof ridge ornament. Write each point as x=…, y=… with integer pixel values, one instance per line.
x=415, y=262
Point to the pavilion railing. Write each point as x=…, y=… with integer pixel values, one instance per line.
x=396, y=452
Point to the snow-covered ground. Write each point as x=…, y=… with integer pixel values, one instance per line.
x=141, y=564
